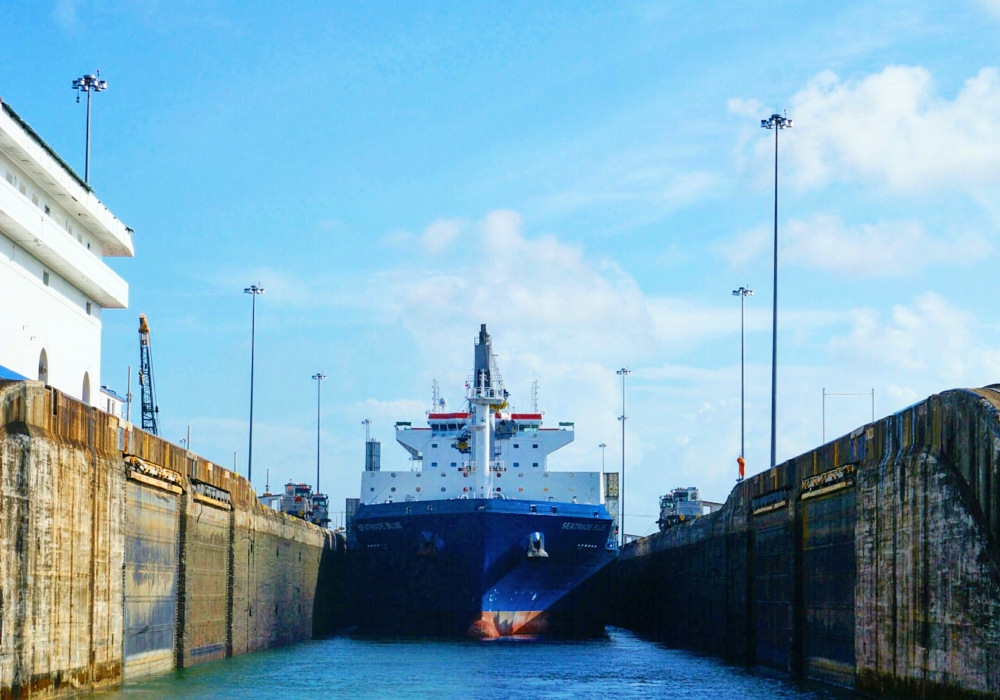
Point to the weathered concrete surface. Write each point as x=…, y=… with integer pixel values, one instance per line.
x=61, y=545
x=870, y=562
x=122, y=555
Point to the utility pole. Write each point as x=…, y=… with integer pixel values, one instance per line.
x=253, y=290
x=319, y=377
x=623, y=372
x=742, y=293
x=776, y=122
x=88, y=84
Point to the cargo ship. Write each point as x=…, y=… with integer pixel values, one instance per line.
x=479, y=538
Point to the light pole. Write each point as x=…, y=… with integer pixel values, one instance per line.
x=88, y=84
x=742, y=293
x=319, y=377
x=253, y=290
x=776, y=122
x=623, y=372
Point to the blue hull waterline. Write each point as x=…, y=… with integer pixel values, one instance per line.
x=468, y=567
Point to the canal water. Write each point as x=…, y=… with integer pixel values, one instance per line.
x=619, y=667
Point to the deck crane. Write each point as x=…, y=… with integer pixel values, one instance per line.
x=148, y=397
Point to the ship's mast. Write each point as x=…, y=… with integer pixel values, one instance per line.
x=486, y=396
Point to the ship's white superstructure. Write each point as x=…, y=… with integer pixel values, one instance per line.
x=54, y=283
x=483, y=452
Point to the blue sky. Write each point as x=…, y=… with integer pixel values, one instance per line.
x=590, y=179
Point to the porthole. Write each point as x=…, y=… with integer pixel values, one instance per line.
x=418, y=489
x=393, y=489
x=443, y=489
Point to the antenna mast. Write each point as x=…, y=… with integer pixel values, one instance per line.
x=534, y=396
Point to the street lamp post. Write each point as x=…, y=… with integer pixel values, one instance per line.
x=776, y=122
x=88, y=84
x=742, y=293
x=623, y=372
x=319, y=377
x=253, y=290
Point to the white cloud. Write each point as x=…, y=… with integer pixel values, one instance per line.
x=546, y=295
x=893, y=127
x=992, y=6
x=746, y=108
x=886, y=249
x=892, y=248
x=440, y=234
x=931, y=338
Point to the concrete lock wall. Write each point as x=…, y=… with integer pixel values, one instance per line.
x=871, y=562
x=122, y=555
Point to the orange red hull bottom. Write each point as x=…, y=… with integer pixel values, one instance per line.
x=510, y=623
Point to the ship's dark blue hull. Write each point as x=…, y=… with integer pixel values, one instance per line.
x=469, y=567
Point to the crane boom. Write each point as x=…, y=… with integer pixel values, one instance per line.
x=148, y=396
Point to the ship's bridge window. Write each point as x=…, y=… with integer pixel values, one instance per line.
x=453, y=426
